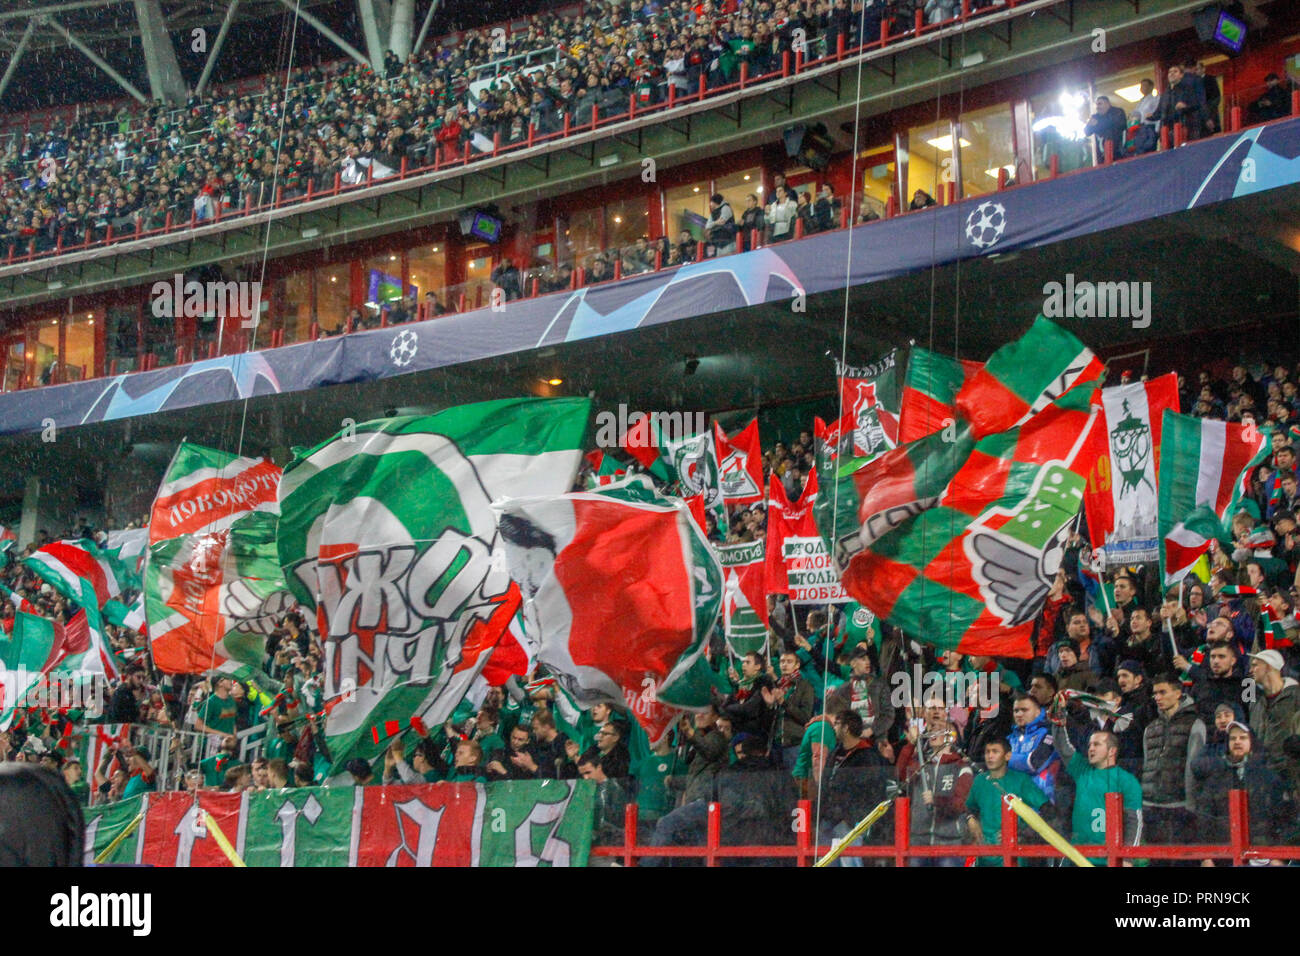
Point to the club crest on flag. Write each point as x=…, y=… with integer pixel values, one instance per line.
x=1015, y=554
x=869, y=434
x=696, y=466
x=734, y=475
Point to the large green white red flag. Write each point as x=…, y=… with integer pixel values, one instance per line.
x=956, y=538
x=387, y=534
x=213, y=598
x=621, y=594
x=64, y=565
x=206, y=490
x=1120, y=500
x=1203, y=475
x=929, y=392
x=740, y=464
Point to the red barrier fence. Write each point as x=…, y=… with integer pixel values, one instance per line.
x=806, y=851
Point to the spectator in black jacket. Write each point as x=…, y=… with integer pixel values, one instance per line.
x=1215, y=774
x=793, y=699
x=755, y=799
x=614, y=757
x=1108, y=124
x=1184, y=102
x=827, y=209
x=1275, y=103
x=124, y=705
x=746, y=706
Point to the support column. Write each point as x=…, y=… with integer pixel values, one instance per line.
x=369, y=14
x=165, y=79
x=17, y=55
x=217, y=44
x=424, y=28
x=99, y=61
x=399, y=37
x=327, y=33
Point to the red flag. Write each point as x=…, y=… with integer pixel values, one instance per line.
x=740, y=464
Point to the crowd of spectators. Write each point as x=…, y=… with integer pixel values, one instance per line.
x=1171, y=697
x=74, y=180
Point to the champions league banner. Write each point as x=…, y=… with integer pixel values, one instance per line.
x=1193, y=176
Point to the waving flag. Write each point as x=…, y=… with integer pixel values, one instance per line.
x=1120, y=500
x=694, y=462
x=929, y=392
x=387, y=535
x=956, y=541
x=206, y=490
x=621, y=595
x=871, y=396
x=65, y=565
x=1203, y=475
x=740, y=464
x=213, y=598
x=744, y=603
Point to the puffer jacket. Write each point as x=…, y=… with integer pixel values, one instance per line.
x=1170, y=746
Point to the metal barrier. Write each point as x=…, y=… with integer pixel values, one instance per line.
x=806, y=850
x=174, y=751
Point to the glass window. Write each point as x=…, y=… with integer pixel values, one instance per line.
x=626, y=222
x=15, y=358
x=428, y=265
x=79, y=347
x=332, y=296
x=930, y=161
x=46, y=352
x=383, y=283
x=295, y=307
x=878, y=175
x=1124, y=90
x=687, y=208
x=160, y=336
x=122, y=336
x=580, y=234
x=738, y=187
x=987, y=145
x=478, y=278
x=1058, y=119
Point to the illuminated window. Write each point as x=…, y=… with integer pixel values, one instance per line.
x=987, y=145
x=1058, y=119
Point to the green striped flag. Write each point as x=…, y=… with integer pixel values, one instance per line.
x=955, y=538
x=25, y=657
x=387, y=533
x=1204, y=468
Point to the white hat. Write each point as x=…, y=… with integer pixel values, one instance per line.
x=1272, y=658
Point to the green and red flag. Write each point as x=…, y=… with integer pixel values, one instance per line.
x=213, y=598
x=65, y=565
x=1204, y=473
x=744, y=601
x=740, y=464
x=693, y=461
x=956, y=537
x=605, y=469
x=386, y=533
x=1120, y=501
x=870, y=396
x=26, y=656
x=621, y=595
x=929, y=392
x=205, y=490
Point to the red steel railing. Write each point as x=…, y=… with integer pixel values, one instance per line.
x=805, y=851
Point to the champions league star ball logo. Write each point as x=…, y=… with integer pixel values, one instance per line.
x=985, y=224
x=405, y=345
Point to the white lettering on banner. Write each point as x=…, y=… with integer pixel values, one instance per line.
x=811, y=575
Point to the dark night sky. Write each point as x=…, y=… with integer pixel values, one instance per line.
x=63, y=76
